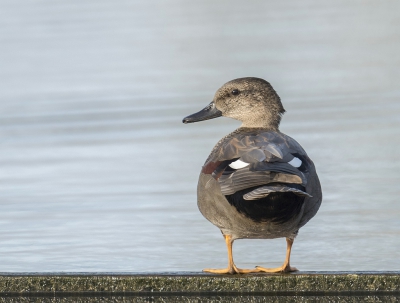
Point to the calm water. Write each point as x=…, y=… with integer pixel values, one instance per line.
x=97, y=172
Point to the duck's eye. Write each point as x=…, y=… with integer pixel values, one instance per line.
x=235, y=92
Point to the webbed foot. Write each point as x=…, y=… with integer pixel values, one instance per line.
x=231, y=270
x=282, y=269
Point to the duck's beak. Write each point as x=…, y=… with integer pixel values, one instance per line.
x=209, y=112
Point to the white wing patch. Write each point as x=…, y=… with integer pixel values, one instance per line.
x=238, y=164
x=295, y=162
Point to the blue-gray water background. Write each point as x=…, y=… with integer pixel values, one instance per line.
x=97, y=172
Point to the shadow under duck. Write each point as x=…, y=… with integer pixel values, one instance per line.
x=257, y=183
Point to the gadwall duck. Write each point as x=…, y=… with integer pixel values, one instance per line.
x=257, y=183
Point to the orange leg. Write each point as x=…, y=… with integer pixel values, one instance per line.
x=231, y=269
x=286, y=265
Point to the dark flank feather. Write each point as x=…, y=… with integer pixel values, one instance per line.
x=278, y=207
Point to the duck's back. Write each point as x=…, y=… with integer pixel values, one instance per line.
x=258, y=184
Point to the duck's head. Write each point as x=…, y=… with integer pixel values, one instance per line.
x=252, y=101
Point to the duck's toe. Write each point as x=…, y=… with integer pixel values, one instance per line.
x=231, y=270
x=220, y=271
x=246, y=271
x=282, y=269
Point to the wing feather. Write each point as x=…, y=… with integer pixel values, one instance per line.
x=268, y=154
x=264, y=191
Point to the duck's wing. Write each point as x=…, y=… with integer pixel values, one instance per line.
x=265, y=161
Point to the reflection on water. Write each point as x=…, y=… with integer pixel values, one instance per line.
x=99, y=174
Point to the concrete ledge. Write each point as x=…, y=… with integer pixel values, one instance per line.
x=199, y=283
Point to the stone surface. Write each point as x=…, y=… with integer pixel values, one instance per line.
x=198, y=283
x=203, y=299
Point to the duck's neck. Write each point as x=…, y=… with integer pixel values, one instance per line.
x=263, y=120
x=245, y=129
x=265, y=124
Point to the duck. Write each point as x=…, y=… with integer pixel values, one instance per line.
x=257, y=182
